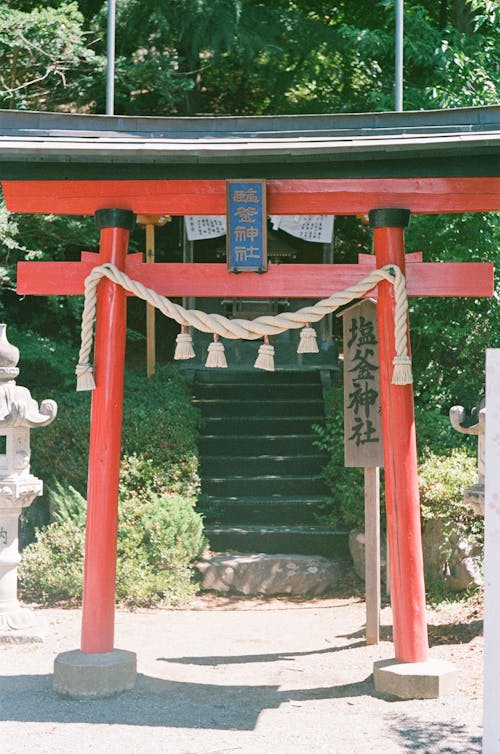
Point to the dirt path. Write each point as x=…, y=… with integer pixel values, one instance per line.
x=244, y=677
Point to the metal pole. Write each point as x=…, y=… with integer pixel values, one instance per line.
x=150, y=310
x=110, y=62
x=398, y=85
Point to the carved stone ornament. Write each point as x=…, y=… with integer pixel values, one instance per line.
x=18, y=495
x=19, y=413
x=473, y=424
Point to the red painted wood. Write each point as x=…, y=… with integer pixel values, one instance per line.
x=99, y=589
x=133, y=260
x=472, y=279
x=368, y=260
x=400, y=467
x=340, y=196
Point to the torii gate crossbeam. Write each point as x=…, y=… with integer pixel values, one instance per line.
x=315, y=280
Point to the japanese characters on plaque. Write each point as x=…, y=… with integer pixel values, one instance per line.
x=362, y=414
x=246, y=226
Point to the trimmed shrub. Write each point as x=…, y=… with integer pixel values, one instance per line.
x=158, y=538
x=442, y=481
x=51, y=568
x=452, y=534
x=159, y=423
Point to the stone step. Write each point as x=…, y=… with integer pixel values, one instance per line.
x=249, y=425
x=301, y=540
x=236, y=486
x=265, y=510
x=258, y=465
x=304, y=576
x=255, y=376
x=257, y=391
x=215, y=407
x=265, y=444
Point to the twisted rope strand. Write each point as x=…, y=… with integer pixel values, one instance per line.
x=241, y=328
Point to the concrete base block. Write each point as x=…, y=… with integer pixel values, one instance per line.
x=93, y=676
x=415, y=680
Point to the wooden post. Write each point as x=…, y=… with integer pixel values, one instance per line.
x=99, y=588
x=149, y=222
x=400, y=457
x=363, y=438
x=372, y=554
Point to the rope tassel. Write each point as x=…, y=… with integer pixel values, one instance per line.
x=402, y=371
x=265, y=359
x=308, y=342
x=184, y=348
x=85, y=377
x=216, y=354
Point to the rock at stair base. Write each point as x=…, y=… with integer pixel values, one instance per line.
x=270, y=575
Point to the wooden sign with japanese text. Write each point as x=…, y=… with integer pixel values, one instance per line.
x=246, y=226
x=362, y=411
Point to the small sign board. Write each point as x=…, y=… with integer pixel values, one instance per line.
x=362, y=409
x=246, y=236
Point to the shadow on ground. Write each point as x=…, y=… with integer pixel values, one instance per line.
x=159, y=702
x=433, y=738
x=243, y=659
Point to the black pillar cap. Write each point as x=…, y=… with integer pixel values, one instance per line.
x=389, y=217
x=115, y=218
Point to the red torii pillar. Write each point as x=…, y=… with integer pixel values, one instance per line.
x=400, y=457
x=99, y=586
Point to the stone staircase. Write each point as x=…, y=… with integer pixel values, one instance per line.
x=261, y=472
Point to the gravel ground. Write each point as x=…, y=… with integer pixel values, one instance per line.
x=243, y=677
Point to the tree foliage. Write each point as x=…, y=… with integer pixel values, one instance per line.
x=254, y=57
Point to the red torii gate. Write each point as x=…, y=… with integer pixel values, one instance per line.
x=388, y=202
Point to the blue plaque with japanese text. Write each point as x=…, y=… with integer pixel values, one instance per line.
x=246, y=226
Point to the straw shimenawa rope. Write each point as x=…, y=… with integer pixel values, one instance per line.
x=246, y=329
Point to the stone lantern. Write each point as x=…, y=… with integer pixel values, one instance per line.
x=19, y=412
x=473, y=424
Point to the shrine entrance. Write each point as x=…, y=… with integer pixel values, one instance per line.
x=314, y=170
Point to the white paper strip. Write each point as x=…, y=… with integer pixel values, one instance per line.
x=317, y=228
x=199, y=227
x=491, y=736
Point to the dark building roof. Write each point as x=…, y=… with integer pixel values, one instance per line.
x=441, y=143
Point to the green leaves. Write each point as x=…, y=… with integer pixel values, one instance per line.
x=40, y=52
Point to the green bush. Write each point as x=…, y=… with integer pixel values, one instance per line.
x=159, y=424
x=159, y=443
x=46, y=365
x=442, y=481
x=158, y=538
x=51, y=569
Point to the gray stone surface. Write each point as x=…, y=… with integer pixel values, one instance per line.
x=459, y=571
x=263, y=574
x=415, y=680
x=22, y=626
x=93, y=676
x=357, y=551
